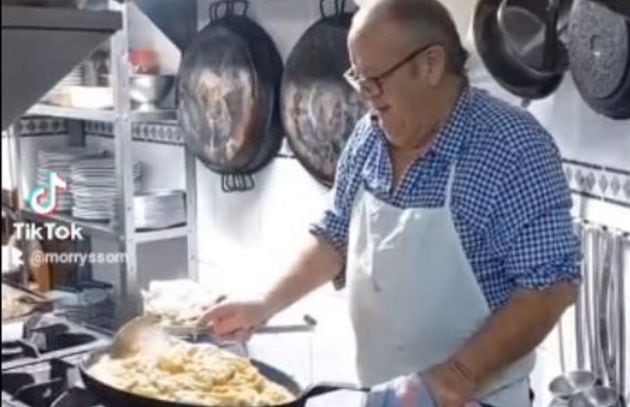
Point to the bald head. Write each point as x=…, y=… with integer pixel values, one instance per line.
x=418, y=22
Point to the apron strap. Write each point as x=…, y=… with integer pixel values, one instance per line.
x=449, y=186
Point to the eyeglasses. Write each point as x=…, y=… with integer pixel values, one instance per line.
x=373, y=85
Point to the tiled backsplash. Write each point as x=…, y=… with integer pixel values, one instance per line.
x=611, y=185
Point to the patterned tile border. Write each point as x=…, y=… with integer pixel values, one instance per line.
x=34, y=127
x=599, y=182
x=147, y=132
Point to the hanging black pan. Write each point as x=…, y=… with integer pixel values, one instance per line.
x=113, y=397
x=519, y=43
x=229, y=83
x=319, y=109
x=599, y=53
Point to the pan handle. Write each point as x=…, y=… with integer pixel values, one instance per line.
x=227, y=8
x=340, y=7
x=237, y=182
x=322, y=388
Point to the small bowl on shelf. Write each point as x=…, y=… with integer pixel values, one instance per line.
x=149, y=91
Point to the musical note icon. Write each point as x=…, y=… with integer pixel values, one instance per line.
x=43, y=199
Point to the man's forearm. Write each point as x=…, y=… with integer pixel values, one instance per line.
x=510, y=334
x=318, y=264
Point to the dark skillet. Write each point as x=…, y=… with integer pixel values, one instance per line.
x=114, y=397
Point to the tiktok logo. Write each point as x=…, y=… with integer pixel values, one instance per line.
x=43, y=199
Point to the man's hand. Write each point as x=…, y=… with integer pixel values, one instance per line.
x=236, y=321
x=450, y=385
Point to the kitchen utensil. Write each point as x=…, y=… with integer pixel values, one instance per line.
x=569, y=384
x=196, y=331
x=159, y=209
x=621, y=303
x=579, y=303
x=597, y=396
x=604, y=331
x=599, y=53
x=139, y=333
x=518, y=42
x=319, y=108
x=120, y=398
x=229, y=83
x=149, y=91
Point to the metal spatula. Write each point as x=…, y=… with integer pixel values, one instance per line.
x=140, y=333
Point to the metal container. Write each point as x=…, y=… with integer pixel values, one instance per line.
x=149, y=91
x=597, y=396
x=160, y=209
x=569, y=384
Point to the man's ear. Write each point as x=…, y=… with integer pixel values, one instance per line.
x=435, y=66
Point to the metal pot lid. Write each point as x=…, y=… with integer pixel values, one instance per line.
x=319, y=109
x=599, y=49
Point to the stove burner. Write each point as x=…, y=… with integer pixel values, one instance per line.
x=54, y=337
x=18, y=349
x=76, y=397
x=12, y=382
x=41, y=394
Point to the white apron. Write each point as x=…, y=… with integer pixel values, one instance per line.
x=414, y=299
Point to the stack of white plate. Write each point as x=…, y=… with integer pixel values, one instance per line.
x=74, y=78
x=159, y=209
x=94, y=188
x=59, y=161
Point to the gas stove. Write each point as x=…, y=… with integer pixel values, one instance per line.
x=41, y=368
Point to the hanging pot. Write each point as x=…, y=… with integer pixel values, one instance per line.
x=519, y=43
x=599, y=53
x=319, y=109
x=228, y=88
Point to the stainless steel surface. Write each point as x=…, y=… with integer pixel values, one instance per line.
x=623, y=334
x=149, y=91
x=579, y=303
x=101, y=115
x=191, y=210
x=597, y=396
x=567, y=385
x=176, y=19
x=159, y=209
x=137, y=334
x=28, y=36
x=604, y=331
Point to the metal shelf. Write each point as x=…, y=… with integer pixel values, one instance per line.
x=176, y=232
x=106, y=229
x=100, y=115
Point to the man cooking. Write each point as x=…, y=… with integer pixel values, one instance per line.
x=450, y=222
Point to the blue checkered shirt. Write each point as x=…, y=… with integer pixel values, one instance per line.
x=510, y=203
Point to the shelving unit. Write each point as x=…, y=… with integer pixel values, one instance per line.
x=122, y=118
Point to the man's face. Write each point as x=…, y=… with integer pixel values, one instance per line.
x=400, y=104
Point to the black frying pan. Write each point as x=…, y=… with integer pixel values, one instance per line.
x=319, y=109
x=518, y=41
x=229, y=81
x=114, y=397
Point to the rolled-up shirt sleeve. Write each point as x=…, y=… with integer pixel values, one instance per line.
x=540, y=245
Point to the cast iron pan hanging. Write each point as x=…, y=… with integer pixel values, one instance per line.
x=599, y=51
x=229, y=82
x=112, y=396
x=518, y=40
x=319, y=109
